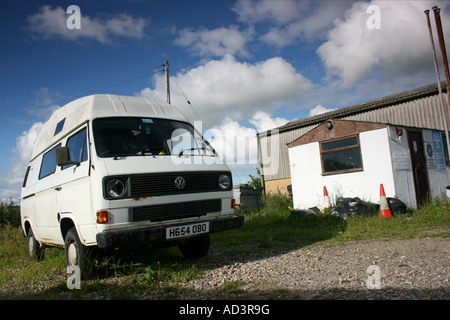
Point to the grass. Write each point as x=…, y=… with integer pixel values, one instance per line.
x=270, y=228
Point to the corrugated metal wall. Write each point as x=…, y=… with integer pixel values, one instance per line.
x=283, y=138
x=421, y=113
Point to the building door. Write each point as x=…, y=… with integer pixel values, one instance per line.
x=419, y=168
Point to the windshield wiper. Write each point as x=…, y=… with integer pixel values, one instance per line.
x=118, y=155
x=191, y=149
x=150, y=149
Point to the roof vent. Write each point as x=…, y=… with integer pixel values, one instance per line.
x=59, y=126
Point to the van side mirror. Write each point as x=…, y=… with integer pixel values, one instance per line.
x=63, y=157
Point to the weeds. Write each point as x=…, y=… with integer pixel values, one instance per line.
x=269, y=228
x=156, y=274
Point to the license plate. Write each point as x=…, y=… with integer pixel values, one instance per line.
x=187, y=230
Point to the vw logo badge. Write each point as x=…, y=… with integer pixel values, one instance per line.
x=180, y=182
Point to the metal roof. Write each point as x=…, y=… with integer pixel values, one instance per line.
x=391, y=100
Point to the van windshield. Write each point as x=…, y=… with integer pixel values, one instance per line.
x=131, y=136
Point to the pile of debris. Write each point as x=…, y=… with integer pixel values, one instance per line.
x=352, y=207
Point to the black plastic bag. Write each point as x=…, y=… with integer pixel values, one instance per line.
x=350, y=207
x=302, y=213
x=396, y=205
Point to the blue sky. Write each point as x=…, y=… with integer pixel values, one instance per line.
x=245, y=66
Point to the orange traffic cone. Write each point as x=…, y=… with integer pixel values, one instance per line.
x=326, y=198
x=385, y=212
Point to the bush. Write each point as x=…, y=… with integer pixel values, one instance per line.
x=9, y=214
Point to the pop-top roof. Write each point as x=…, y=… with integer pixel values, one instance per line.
x=72, y=115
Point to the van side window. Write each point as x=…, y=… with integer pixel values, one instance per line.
x=26, y=177
x=59, y=126
x=48, y=165
x=77, y=147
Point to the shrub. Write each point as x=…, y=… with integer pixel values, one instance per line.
x=9, y=214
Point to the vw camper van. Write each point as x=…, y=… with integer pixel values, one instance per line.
x=112, y=171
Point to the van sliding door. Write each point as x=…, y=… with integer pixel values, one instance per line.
x=45, y=201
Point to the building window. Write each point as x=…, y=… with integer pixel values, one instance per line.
x=341, y=155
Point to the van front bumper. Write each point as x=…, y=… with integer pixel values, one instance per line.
x=157, y=235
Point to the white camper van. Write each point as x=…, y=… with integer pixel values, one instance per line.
x=112, y=171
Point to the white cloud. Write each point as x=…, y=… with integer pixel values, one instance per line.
x=50, y=22
x=44, y=104
x=290, y=21
x=228, y=88
x=25, y=144
x=400, y=48
x=264, y=121
x=218, y=42
x=234, y=101
x=237, y=143
x=319, y=109
x=280, y=12
x=21, y=155
x=42, y=108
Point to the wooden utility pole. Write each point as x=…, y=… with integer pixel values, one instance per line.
x=166, y=71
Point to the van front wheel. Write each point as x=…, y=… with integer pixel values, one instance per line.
x=77, y=254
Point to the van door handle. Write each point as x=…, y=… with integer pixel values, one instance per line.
x=58, y=188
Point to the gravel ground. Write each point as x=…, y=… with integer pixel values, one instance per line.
x=407, y=269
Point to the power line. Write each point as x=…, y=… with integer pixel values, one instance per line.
x=72, y=96
x=187, y=100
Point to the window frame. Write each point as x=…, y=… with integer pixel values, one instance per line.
x=25, y=178
x=59, y=126
x=43, y=159
x=357, y=146
x=85, y=147
x=444, y=147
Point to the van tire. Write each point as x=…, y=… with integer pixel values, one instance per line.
x=35, y=250
x=77, y=254
x=196, y=248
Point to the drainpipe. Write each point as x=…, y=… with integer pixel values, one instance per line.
x=444, y=117
x=437, y=17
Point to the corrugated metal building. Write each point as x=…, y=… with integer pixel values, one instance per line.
x=412, y=110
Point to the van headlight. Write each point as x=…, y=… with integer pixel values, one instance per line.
x=115, y=188
x=224, y=182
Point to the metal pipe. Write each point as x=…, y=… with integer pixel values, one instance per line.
x=444, y=117
x=437, y=18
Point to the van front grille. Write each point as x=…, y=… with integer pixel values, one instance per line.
x=157, y=184
x=157, y=213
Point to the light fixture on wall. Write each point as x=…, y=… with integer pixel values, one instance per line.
x=329, y=125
